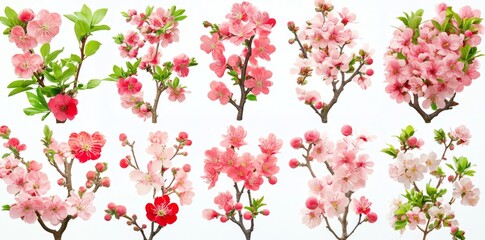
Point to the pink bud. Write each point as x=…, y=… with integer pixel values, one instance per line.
x=82, y=190
x=124, y=163
x=186, y=168
x=183, y=135
x=91, y=175
x=111, y=206
x=238, y=206
x=412, y=142
x=120, y=210
x=272, y=180
x=143, y=226
x=105, y=182
x=107, y=217
x=291, y=26
x=369, y=61
x=265, y=212
x=468, y=33
x=452, y=147
x=454, y=229
x=61, y=182
x=346, y=130
x=369, y=72
x=451, y=178
x=101, y=167
x=294, y=163
x=311, y=203
x=248, y=216
x=223, y=218
x=312, y=136
x=89, y=184
x=26, y=15
x=34, y=166
x=371, y=217
x=4, y=131
x=188, y=142
x=123, y=137
x=319, y=105
x=296, y=143
x=227, y=208
x=144, y=108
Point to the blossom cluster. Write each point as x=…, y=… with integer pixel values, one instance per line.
x=30, y=185
x=246, y=171
x=248, y=27
x=425, y=207
x=322, y=42
x=428, y=63
x=155, y=29
x=331, y=195
x=29, y=31
x=161, y=179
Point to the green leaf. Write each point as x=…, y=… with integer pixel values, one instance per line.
x=100, y=28
x=391, y=150
x=53, y=55
x=251, y=97
x=18, y=90
x=93, y=83
x=71, y=17
x=436, y=25
x=10, y=13
x=45, y=116
x=41, y=98
x=5, y=21
x=401, y=224
x=86, y=11
x=6, y=207
x=92, y=47
x=34, y=101
x=431, y=191
x=180, y=18
x=99, y=15
x=81, y=29
x=47, y=134
x=33, y=111
x=439, y=135
x=67, y=74
x=176, y=82
x=75, y=58
x=148, y=11
x=45, y=49
x=20, y=83
x=409, y=130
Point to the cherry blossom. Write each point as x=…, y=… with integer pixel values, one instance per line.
x=27, y=64
x=63, y=107
x=85, y=146
x=45, y=27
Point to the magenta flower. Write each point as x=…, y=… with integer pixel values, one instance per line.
x=45, y=27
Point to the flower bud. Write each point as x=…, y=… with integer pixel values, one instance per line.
x=296, y=143
x=272, y=180
x=120, y=210
x=186, y=168
x=89, y=184
x=238, y=206
x=61, y=182
x=311, y=203
x=4, y=131
x=26, y=15
x=369, y=61
x=248, y=216
x=291, y=26
x=101, y=167
x=107, y=217
x=188, y=142
x=291, y=41
x=265, y=212
x=371, y=217
x=123, y=137
x=223, y=218
x=206, y=24
x=105, y=182
x=183, y=135
x=91, y=175
x=294, y=163
x=124, y=163
x=111, y=206
x=369, y=72
x=319, y=105
x=346, y=130
x=451, y=178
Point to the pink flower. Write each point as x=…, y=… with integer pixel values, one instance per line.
x=224, y=201
x=270, y=145
x=22, y=40
x=181, y=65
x=86, y=147
x=148, y=181
x=263, y=48
x=27, y=64
x=26, y=15
x=209, y=214
x=130, y=86
x=465, y=189
x=346, y=16
x=37, y=183
x=415, y=217
x=81, y=206
x=362, y=205
x=55, y=210
x=25, y=208
x=253, y=181
x=219, y=91
x=128, y=101
x=310, y=97
x=259, y=82
x=176, y=94
x=212, y=45
x=63, y=107
x=186, y=197
x=219, y=65
x=158, y=137
x=312, y=136
x=462, y=134
x=45, y=27
x=152, y=58
x=312, y=218
x=266, y=165
x=234, y=138
x=241, y=32
x=7, y=165
x=335, y=204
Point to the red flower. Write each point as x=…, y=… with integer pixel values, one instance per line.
x=86, y=147
x=162, y=212
x=63, y=107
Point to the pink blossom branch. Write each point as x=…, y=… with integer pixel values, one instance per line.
x=428, y=117
x=359, y=222
x=307, y=159
x=133, y=221
x=329, y=227
x=239, y=221
x=242, y=88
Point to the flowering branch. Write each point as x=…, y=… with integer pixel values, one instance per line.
x=241, y=168
x=321, y=45
x=162, y=212
x=249, y=27
x=433, y=60
x=348, y=173
x=158, y=28
x=427, y=209
x=30, y=185
x=28, y=31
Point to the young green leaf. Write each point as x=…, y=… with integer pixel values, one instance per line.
x=93, y=83
x=99, y=15
x=92, y=47
x=251, y=97
x=18, y=90
x=45, y=50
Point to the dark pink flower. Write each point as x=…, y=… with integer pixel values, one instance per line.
x=63, y=107
x=86, y=147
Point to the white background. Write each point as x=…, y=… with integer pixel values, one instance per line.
x=280, y=112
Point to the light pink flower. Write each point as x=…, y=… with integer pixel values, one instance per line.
x=55, y=210
x=16, y=181
x=241, y=32
x=81, y=206
x=415, y=218
x=464, y=188
x=176, y=94
x=21, y=39
x=186, y=197
x=219, y=91
x=181, y=65
x=270, y=145
x=209, y=214
x=45, y=27
x=335, y=204
x=37, y=183
x=462, y=134
x=7, y=165
x=310, y=97
x=27, y=64
x=148, y=181
x=25, y=208
x=235, y=137
x=62, y=151
x=312, y=218
x=259, y=82
x=263, y=49
x=219, y=65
